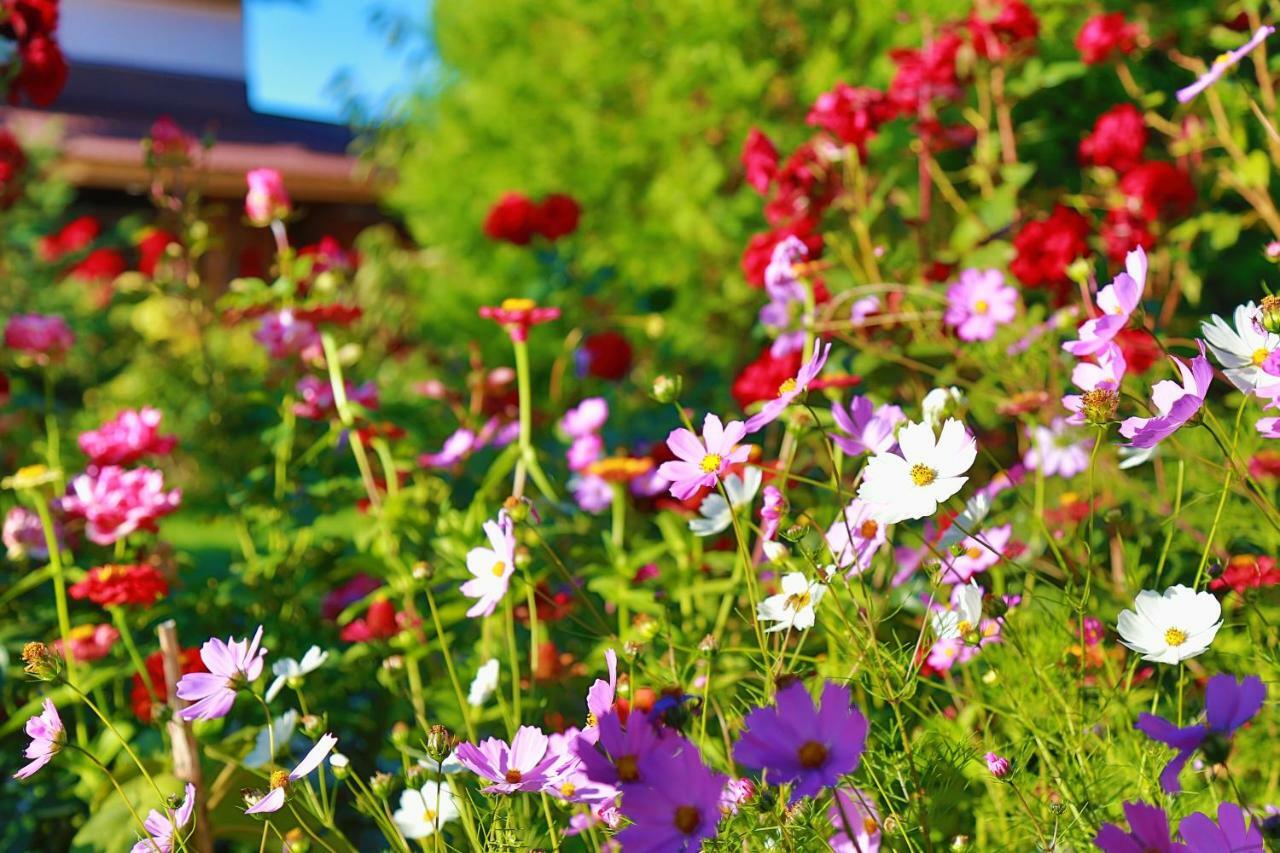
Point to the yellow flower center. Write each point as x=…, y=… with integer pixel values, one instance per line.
x=499, y=569
x=973, y=553
x=1259, y=356
x=1175, y=637
x=591, y=720
x=799, y=601
x=812, y=754
x=279, y=779
x=923, y=475
x=518, y=304
x=787, y=387
x=981, y=306
x=711, y=463
x=80, y=632
x=429, y=815
x=869, y=825
x=964, y=626
x=626, y=767
x=687, y=819
x=567, y=789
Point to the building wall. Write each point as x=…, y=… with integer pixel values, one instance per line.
x=197, y=37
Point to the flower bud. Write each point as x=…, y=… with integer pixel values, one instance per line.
x=523, y=558
x=340, y=765
x=381, y=784
x=997, y=764
x=400, y=732
x=439, y=743
x=296, y=842
x=1099, y=405
x=1270, y=316
x=266, y=199
x=313, y=726
x=708, y=644
x=666, y=389
x=40, y=662
x=423, y=571
x=517, y=509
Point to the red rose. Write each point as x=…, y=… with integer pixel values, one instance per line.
x=1158, y=190
x=188, y=662
x=853, y=114
x=43, y=72
x=1046, y=247
x=152, y=249
x=22, y=20
x=760, y=160
x=1118, y=137
x=1247, y=571
x=1104, y=36
x=760, y=379
x=605, y=355
x=1140, y=351
x=74, y=236
x=100, y=265
x=347, y=594
x=804, y=185
x=112, y=586
x=380, y=622
x=759, y=249
x=511, y=219
x=1013, y=27
x=13, y=162
x=926, y=74
x=4, y=390
x=1123, y=231
x=557, y=216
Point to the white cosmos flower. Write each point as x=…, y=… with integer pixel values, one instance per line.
x=425, y=809
x=939, y=403
x=1132, y=457
x=287, y=668
x=282, y=729
x=928, y=472
x=715, y=512
x=484, y=684
x=1172, y=627
x=794, y=606
x=963, y=616
x=1242, y=349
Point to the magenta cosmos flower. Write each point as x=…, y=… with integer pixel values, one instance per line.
x=701, y=464
x=266, y=199
x=1175, y=404
x=116, y=503
x=39, y=334
x=1148, y=832
x=1230, y=833
x=280, y=781
x=127, y=438
x=316, y=402
x=853, y=811
x=979, y=301
x=1223, y=64
x=600, y=697
x=790, y=390
x=866, y=428
x=679, y=810
x=799, y=742
x=617, y=756
x=161, y=829
x=491, y=567
x=528, y=764
x=232, y=665
x=1116, y=302
x=771, y=510
x=45, y=731
x=587, y=418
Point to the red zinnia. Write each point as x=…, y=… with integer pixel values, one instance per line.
x=760, y=160
x=1247, y=571
x=74, y=236
x=43, y=71
x=1158, y=191
x=1105, y=36
x=1139, y=348
x=851, y=113
x=153, y=248
x=1012, y=29
x=13, y=161
x=760, y=379
x=188, y=662
x=380, y=622
x=1124, y=231
x=605, y=355
x=114, y=586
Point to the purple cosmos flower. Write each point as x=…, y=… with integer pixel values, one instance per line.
x=46, y=733
x=979, y=301
x=853, y=810
x=592, y=494
x=868, y=428
x=1228, y=705
x=280, y=781
x=798, y=742
x=584, y=450
x=1105, y=375
x=600, y=696
x=997, y=764
x=526, y=765
x=1229, y=834
x=680, y=810
x=780, y=274
x=702, y=463
x=491, y=567
x=1223, y=64
x=587, y=418
x=855, y=537
x=862, y=309
x=161, y=829
x=1116, y=302
x=771, y=511
x=1148, y=832
x=619, y=758
x=1175, y=403
x=1055, y=451
x=977, y=555
x=790, y=390
x=456, y=447
x=232, y=665
x=784, y=313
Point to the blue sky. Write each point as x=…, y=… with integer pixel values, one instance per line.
x=305, y=57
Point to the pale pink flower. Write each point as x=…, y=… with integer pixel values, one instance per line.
x=162, y=829
x=867, y=428
x=40, y=334
x=1056, y=450
x=862, y=309
x=855, y=537
x=587, y=418
x=232, y=665
x=266, y=199
x=274, y=800
x=127, y=438
x=47, y=737
x=771, y=512
x=701, y=464
x=1117, y=301
x=1223, y=64
x=977, y=554
x=24, y=534
x=116, y=503
x=528, y=764
x=89, y=642
x=1106, y=374
x=1175, y=404
x=978, y=302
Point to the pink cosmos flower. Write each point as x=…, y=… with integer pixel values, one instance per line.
x=702, y=463
x=804, y=744
x=855, y=537
x=89, y=642
x=526, y=765
x=587, y=418
x=862, y=309
x=232, y=665
x=24, y=534
x=736, y=792
x=491, y=567
x=600, y=697
x=1174, y=403
x=944, y=654
x=854, y=811
x=571, y=782
x=978, y=302
x=40, y=334
x=1223, y=64
x=780, y=275
x=162, y=830
x=673, y=817
x=126, y=439
x=46, y=733
x=591, y=493
x=584, y=450
x=1116, y=301
x=116, y=503
x=267, y=199
x=867, y=428
x=274, y=800
x=977, y=556
x=317, y=403
x=457, y=447
x=790, y=390
x=1106, y=375
x=284, y=335
x=784, y=315
x=997, y=764
x=1056, y=451
x=771, y=512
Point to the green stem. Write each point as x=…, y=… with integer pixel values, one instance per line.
x=121, y=620
x=463, y=708
x=127, y=804
x=60, y=602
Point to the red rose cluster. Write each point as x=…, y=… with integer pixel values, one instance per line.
x=515, y=218
x=41, y=69
x=1105, y=37
x=13, y=162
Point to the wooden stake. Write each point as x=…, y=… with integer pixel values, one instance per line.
x=186, y=754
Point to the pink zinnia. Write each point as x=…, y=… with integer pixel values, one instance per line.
x=88, y=642
x=232, y=665
x=116, y=503
x=40, y=334
x=1117, y=301
x=1175, y=404
x=284, y=334
x=701, y=464
x=126, y=439
x=266, y=199
x=46, y=733
x=518, y=315
x=526, y=765
x=790, y=390
x=978, y=302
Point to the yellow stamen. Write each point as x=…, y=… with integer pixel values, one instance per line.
x=923, y=475
x=279, y=779
x=1175, y=637
x=973, y=553
x=787, y=387
x=799, y=601
x=812, y=754
x=1259, y=356
x=514, y=776
x=499, y=569
x=964, y=626
x=518, y=304
x=711, y=463
x=981, y=306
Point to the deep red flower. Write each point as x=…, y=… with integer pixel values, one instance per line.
x=853, y=114
x=347, y=594
x=169, y=142
x=1105, y=36
x=1117, y=140
x=22, y=20
x=759, y=251
x=13, y=162
x=552, y=605
x=74, y=236
x=760, y=379
x=100, y=265
x=1247, y=571
x=1013, y=29
x=152, y=249
x=760, y=160
x=1158, y=190
x=517, y=316
x=556, y=216
x=1123, y=231
x=1140, y=350
x=328, y=254
x=605, y=355
x=335, y=314
x=188, y=662
x=42, y=72
x=380, y=622
x=1046, y=247
x=1265, y=464
x=926, y=74
x=112, y=585
x=512, y=219
x=803, y=187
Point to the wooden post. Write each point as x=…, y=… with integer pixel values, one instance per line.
x=186, y=754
